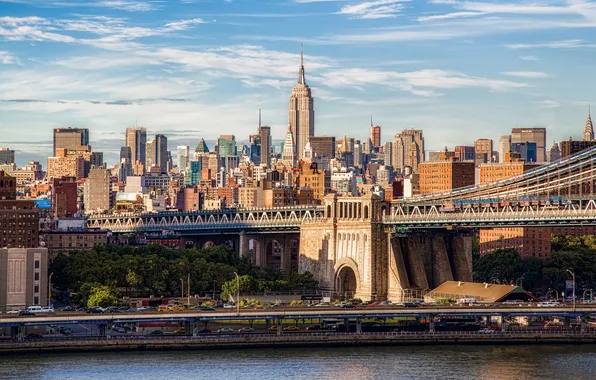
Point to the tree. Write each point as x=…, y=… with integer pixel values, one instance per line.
x=103, y=295
x=248, y=285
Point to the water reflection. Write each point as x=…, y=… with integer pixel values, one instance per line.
x=416, y=362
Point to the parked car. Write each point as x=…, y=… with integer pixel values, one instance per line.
x=204, y=331
x=47, y=309
x=206, y=308
x=95, y=310
x=485, y=331
x=314, y=327
x=246, y=330
x=323, y=304
x=291, y=328
x=144, y=308
x=125, y=309
x=68, y=308
x=225, y=330
x=26, y=312
x=35, y=309
x=156, y=332
x=14, y=311
x=65, y=330
x=346, y=305
x=180, y=331
x=34, y=336
x=228, y=306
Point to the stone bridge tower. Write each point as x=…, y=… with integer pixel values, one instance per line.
x=347, y=249
x=353, y=254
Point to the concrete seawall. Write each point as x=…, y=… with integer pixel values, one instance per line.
x=295, y=340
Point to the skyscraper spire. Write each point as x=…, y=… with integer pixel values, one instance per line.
x=371, y=123
x=259, y=114
x=589, y=130
x=301, y=78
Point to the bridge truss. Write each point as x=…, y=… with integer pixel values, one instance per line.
x=286, y=218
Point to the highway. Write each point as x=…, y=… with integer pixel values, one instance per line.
x=298, y=313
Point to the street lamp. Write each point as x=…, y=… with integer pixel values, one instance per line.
x=520, y=280
x=181, y=287
x=237, y=293
x=50, y=289
x=573, y=277
x=584, y=295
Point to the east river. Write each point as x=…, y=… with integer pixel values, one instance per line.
x=568, y=362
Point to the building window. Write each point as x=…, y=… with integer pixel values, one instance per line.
x=36, y=276
x=36, y=289
x=36, y=300
x=36, y=264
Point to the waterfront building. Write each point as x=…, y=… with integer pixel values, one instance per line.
x=23, y=278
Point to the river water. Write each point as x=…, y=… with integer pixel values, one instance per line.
x=566, y=362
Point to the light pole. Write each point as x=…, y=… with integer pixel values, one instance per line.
x=50, y=289
x=188, y=290
x=237, y=293
x=520, y=280
x=214, y=282
x=584, y=295
x=181, y=287
x=573, y=277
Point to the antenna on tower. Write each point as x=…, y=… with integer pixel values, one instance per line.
x=371, y=123
x=301, y=54
x=259, y=114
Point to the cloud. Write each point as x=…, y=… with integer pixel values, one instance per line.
x=549, y=104
x=374, y=9
x=421, y=82
x=566, y=44
x=183, y=24
x=449, y=16
x=7, y=58
x=526, y=74
x=529, y=58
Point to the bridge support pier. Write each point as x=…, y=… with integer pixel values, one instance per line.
x=103, y=329
x=279, y=328
x=358, y=326
x=431, y=324
x=503, y=322
x=188, y=328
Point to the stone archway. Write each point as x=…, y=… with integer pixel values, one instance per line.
x=346, y=282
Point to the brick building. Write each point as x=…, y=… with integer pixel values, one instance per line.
x=19, y=219
x=66, y=241
x=64, y=197
x=440, y=176
x=66, y=165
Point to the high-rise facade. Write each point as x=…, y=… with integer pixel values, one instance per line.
x=265, y=143
x=183, y=157
x=483, y=151
x=408, y=150
x=504, y=147
x=323, y=146
x=97, y=190
x=301, y=115
x=157, y=153
x=531, y=135
x=288, y=155
x=70, y=138
x=150, y=154
x=6, y=156
x=136, y=140
x=64, y=197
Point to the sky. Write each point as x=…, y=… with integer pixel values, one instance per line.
x=191, y=69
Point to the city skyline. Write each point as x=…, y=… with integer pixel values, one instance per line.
x=180, y=68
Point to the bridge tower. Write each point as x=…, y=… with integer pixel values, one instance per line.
x=346, y=250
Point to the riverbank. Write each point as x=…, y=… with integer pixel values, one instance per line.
x=168, y=343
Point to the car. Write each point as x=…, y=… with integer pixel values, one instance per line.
x=346, y=305
x=291, y=328
x=34, y=336
x=485, y=331
x=225, y=330
x=68, y=308
x=323, y=304
x=26, y=312
x=180, y=331
x=145, y=308
x=273, y=328
x=204, y=331
x=82, y=309
x=206, y=308
x=156, y=332
x=47, y=309
x=95, y=310
x=14, y=311
x=419, y=302
x=65, y=330
x=35, y=309
x=119, y=329
x=111, y=309
x=547, y=304
x=228, y=306
x=246, y=330
x=125, y=309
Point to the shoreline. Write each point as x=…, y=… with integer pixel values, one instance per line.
x=115, y=344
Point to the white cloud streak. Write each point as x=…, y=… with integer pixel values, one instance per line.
x=526, y=74
x=374, y=9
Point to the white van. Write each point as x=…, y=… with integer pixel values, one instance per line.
x=35, y=309
x=467, y=300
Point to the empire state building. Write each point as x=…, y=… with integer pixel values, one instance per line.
x=301, y=115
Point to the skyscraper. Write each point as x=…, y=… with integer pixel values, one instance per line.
x=70, y=138
x=589, y=130
x=6, y=156
x=150, y=154
x=301, y=115
x=136, y=139
x=161, y=152
x=97, y=193
x=408, y=150
x=375, y=134
x=531, y=135
x=183, y=157
x=288, y=155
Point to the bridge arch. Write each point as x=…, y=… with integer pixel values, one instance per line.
x=347, y=278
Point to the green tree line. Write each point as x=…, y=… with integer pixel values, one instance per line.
x=577, y=254
x=158, y=271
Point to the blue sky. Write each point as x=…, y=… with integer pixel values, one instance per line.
x=459, y=70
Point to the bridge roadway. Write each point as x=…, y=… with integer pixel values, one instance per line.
x=290, y=313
